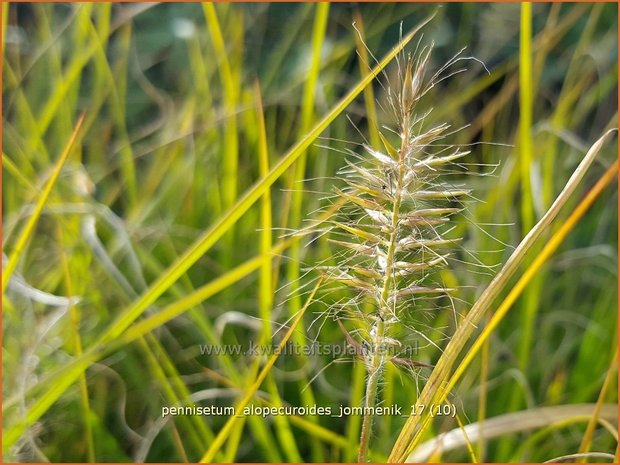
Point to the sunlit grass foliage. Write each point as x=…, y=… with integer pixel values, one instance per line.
x=168, y=173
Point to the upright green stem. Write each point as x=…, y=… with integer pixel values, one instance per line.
x=378, y=352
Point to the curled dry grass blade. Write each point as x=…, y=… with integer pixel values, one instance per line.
x=526, y=420
x=54, y=386
x=225, y=431
x=29, y=227
x=583, y=457
x=435, y=386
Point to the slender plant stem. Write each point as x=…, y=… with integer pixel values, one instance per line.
x=378, y=354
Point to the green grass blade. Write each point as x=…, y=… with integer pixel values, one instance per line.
x=307, y=114
x=29, y=227
x=5, y=22
x=299, y=174
x=526, y=102
x=526, y=110
x=77, y=342
x=586, y=442
x=231, y=93
x=265, y=293
x=265, y=298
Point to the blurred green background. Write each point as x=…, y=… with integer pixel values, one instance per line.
x=172, y=138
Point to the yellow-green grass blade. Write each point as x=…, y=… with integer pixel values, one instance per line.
x=294, y=219
x=265, y=293
x=482, y=399
x=550, y=247
x=174, y=388
x=318, y=38
x=525, y=116
x=229, y=83
x=287, y=438
x=282, y=423
x=30, y=225
x=77, y=343
x=16, y=173
x=526, y=104
x=63, y=118
x=72, y=73
x=201, y=80
x=468, y=444
x=440, y=373
x=307, y=114
x=226, y=429
x=74, y=68
x=586, y=441
x=169, y=393
x=5, y=22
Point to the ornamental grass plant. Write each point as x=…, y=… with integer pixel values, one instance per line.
x=160, y=161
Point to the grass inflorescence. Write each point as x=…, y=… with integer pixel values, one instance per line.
x=393, y=226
